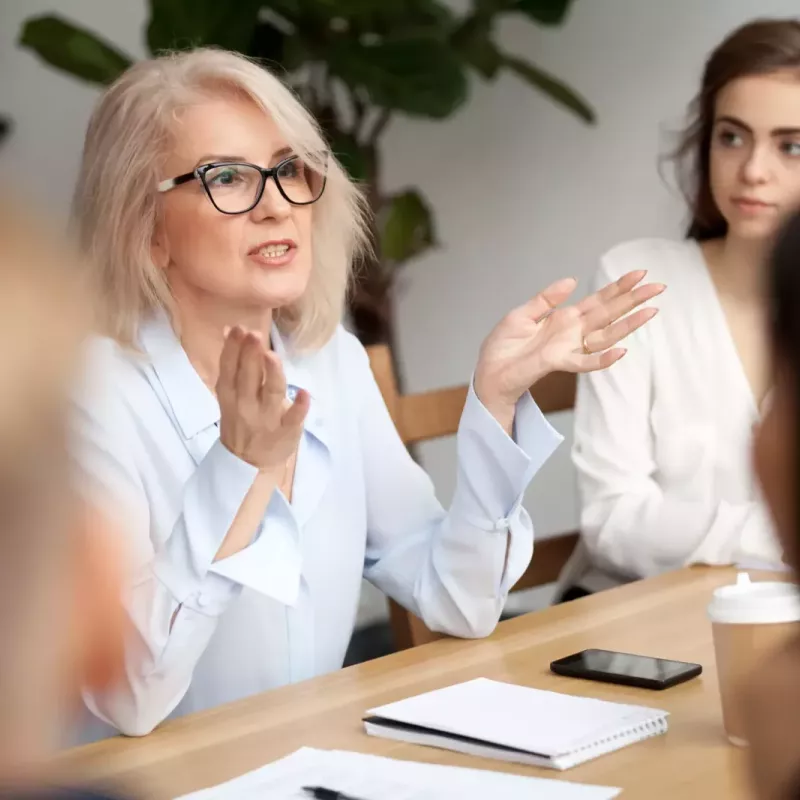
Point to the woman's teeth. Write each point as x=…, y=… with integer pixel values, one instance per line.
x=274, y=250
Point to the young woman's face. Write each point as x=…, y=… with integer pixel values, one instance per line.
x=774, y=457
x=755, y=153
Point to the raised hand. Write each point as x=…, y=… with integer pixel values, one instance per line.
x=257, y=423
x=540, y=337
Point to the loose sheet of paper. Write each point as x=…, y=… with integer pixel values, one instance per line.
x=375, y=778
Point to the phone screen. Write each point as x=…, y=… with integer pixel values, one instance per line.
x=626, y=664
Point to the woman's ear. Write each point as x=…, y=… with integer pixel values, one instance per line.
x=159, y=248
x=100, y=622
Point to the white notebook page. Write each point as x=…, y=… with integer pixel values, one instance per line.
x=375, y=778
x=529, y=719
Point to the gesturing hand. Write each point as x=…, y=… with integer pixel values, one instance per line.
x=538, y=338
x=257, y=423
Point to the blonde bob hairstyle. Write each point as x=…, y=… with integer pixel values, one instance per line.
x=116, y=203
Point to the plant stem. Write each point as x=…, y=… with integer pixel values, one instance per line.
x=317, y=83
x=359, y=112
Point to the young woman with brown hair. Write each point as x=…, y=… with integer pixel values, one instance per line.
x=662, y=439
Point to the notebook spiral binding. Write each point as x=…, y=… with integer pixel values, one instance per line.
x=636, y=732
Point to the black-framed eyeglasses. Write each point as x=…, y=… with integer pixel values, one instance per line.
x=236, y=187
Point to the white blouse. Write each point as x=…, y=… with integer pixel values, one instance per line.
x=662, y=438
x=283, y=609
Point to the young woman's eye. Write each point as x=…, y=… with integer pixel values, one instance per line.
x=791, y=148
x=728, y=138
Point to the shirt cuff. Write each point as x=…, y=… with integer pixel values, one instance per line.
x=494, y=469
x=533, y=434
x=272, y=564
x=520, y=549
x=211, y=500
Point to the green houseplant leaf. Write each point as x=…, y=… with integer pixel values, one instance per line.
x=269, y=44
x=546, y=12
x=406, y=226
x=489, y=7
x=75, y=50
x=289, y=9
x=556, y=89
x=403, y=17
x=420, y=76
x=351, y=155
x=180, y=24
x=472, y=40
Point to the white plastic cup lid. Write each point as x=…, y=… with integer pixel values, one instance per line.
x=755, y=602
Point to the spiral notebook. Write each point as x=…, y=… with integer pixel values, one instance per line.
x=515, y=723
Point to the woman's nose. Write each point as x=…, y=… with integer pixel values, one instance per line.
x=272, y=202
x=756, y=167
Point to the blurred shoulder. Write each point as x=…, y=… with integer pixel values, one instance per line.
x=105, y=356
x=104, y=352
x=108, y=370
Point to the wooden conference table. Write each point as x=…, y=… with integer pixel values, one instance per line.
x=664, y=616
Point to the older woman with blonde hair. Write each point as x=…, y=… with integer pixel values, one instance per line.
x=234, y=428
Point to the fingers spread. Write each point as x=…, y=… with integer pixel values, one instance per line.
x=610, y=335
x=251, y=370
x=595, y=361
x=611, y=290
x=273, y=389
x=296, y=413
x=604, y=313
x=229, y=361
x=548, y=299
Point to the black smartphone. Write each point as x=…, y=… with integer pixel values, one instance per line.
x=626, y=668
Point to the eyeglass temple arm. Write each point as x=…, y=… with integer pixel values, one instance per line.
x=171, y=183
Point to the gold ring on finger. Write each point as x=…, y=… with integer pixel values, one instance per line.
x=586, y=349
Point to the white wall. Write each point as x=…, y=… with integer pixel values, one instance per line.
x=524, y=193
x=50, y=110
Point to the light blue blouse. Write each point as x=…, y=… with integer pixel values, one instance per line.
x=283, y=609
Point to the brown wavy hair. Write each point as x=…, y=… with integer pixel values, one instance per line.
x=760, y=47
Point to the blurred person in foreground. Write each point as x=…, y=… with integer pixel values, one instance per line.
x=236, y=427
x=774, y=695
x=60, y=614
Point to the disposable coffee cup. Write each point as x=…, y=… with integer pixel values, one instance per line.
x=749, y=620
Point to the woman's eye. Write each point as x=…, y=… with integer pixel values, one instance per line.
x=291, y=170
x=730, y=139
x=791, y=148
x=226, y=176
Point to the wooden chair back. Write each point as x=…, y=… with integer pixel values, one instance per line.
x=435, y=414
